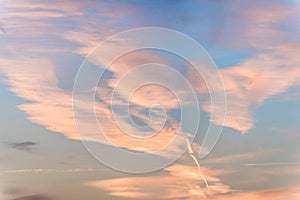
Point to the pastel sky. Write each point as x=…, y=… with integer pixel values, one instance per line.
x=255, y=46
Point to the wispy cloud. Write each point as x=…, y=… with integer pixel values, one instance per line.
x=33, y=197
x=274, y=163
x=252, y=82
x=49, y=104
x=274, y=194
x=230, y=158
x=271, y=71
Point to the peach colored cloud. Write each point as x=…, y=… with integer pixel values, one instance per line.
x=51, y=107
x=145, y=96
x=251, y=82
x=181, y=181
x=33, y=78
x=273, y=70
x=25, y=19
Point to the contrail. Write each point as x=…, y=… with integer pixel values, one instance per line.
x=43, y=170
x=267, y=164
x=191, y=153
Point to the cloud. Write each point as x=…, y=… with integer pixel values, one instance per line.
x=271, y=71
x=26, y=19
x=289, y=193
x=145, y=96
x=230, y=158
x=51, y=106
x=247, y=84
x=250, y=83
x=181, y=182
x=33, y=197
x=288, y=170
x=25, y=146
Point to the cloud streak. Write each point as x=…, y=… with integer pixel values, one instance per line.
x=25, y=146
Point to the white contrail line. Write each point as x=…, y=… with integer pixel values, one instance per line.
x=191, y=153
x=275, y=163
x=44, y=170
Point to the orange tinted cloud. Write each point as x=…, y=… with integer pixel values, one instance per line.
x=34, y=77
x=181, y=182
x=51, y=107
x=273, y=70
x=250, y=83
x=256, y=79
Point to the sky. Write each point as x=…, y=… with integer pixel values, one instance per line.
x=67, y=133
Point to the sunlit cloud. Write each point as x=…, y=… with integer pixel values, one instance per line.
x=252, y=82
x=181, y=182
x=270, y=72
x=52, y=106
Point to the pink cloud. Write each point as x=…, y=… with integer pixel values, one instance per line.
x=272, y=71
x=33, y=77
x=51, y=107
x=256, y=79
x=181, y=182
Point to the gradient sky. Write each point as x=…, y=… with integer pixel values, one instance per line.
x=255, y=45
